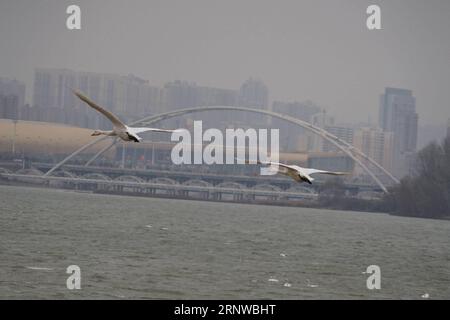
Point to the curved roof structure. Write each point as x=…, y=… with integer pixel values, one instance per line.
x=33, y=137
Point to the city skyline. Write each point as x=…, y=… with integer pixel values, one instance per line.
x=314, y=52
x=29, y=97
x=52, y=89
x=392, y=142
x=206, y=95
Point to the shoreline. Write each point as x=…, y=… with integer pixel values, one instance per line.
x=184, y=198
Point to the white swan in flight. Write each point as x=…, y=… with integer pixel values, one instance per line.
x=297, y=173
x=119, y=128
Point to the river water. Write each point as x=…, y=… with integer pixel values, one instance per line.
x=146, y=248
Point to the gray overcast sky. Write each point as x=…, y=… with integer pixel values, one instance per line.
x=316, y=49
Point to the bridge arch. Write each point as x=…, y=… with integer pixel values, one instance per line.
x=129, y=178
x=196, y=182
x=301, y=189
x=345, y=147
x=266, y=187
x=231, y=185
x=163, y=181
x=96, y=176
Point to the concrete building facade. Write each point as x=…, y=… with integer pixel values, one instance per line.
x=398, y=115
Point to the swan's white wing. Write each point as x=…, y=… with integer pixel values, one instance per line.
x=139, y=130
x=272, y=164
x=275, y=164
x=309, y=171
x=116, y=122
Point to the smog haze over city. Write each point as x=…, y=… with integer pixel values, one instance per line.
x=224, y=149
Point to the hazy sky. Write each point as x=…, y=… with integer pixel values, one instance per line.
x=316, y=49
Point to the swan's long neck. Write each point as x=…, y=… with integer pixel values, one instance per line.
x=103, y=132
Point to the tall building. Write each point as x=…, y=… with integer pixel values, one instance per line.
x=208, y=96
x=254, y=94
x=179, y=95
x=52, y=88
x=324, y=121
x=300, y=110
x=182, y=94
x=9, y=107
x=13, y=87
x=398, y=115
x=128, y=96
x=293, y=138
x=376, y=144
x=342, y=132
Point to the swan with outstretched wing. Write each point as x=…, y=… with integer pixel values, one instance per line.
x=120, y=129
x=297, y=173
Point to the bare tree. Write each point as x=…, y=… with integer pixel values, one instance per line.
x=427, y=192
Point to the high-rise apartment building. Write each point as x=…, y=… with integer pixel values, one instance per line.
x=128, y=96
x=342, y=132
x=300, y=110
x=52, y=88
x=254, y=94
x=398, y=115
x=182, y=94
x=293, y=138
x=9, y=107
x=322, y=120
x=179, y=95
x=13, y=87
x=376, y=144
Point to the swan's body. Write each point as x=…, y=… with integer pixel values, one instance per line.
x=119, y=128
x=297, y=173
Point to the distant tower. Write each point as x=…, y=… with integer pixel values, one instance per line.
x=13, y=87
x=398, y=115
x=254, y=94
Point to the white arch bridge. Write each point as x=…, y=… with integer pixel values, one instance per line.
x=342, y=145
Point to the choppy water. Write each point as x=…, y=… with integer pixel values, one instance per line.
x=147, y=248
